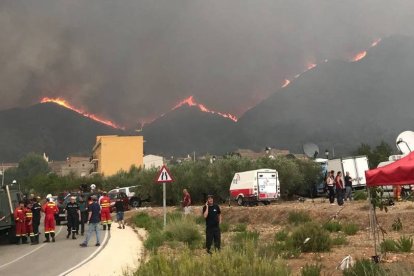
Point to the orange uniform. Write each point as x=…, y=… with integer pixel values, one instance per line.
x=105, y=203
x=19, y=218
x=50, y=209
x=29, y=223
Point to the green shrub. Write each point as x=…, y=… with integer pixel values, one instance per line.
x=360, y=195
x=388, y=245
x=339, y=240
x=332, y=226
x=241, y=227
x=350, y=229
x=311, y=270
x=200, y=220
x=143, y=220
x=397, y=225
x=404, y=244
x=224, y=227
x=224, y=262
x=365, y=267
x=298, y=217
x=241, y=237
x=311, y=237
x=184, y=231
x=281, y=235
x=155, y=239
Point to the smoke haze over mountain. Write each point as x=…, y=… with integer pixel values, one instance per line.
x=132, y=60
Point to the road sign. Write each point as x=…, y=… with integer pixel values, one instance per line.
x=164, y=175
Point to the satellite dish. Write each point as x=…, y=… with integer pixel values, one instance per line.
x=311, y=150
x=405, y=142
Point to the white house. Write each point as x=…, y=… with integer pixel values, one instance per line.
x=153, y=161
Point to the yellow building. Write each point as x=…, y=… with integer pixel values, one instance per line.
x=113, y=153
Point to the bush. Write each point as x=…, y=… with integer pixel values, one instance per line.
x=339, y=240
x=242, y=237
x=184, y=231
x=397, y=225
x=365, y=267
x=224, y=227
x=224, y=262
x=388, y=245
x=298, y=217
x=360, y=195
x=143, y=220
x=404, y=244
x=350, y=229
x=281, y=235
x=333, y=226
x=154, y=240
x=311, y=237
x=239, y=227
x=200, y=220
x=311, y=270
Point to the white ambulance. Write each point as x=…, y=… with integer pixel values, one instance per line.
x=251, y=187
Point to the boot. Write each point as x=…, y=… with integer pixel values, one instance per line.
x=32, y=240
x=73, y=236
x=24, y=240
x=37, y=239
x=47, y=237
x=68, y=235
x=104, y=227
x=109, y=227
x=53, y=236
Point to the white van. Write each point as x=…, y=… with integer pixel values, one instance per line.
x=129, y=191
x=255, y=186
x=355, y=165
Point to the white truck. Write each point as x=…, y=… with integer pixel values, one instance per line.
x=251, y=187
x=355, y=165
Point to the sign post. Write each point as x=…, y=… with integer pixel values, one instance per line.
x=164, y=176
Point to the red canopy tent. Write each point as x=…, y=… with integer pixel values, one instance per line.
x=400, y=172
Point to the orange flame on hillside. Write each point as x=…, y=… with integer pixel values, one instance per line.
x=286, y=83
x=64, y=103
x=359, y=56
x=191, y=102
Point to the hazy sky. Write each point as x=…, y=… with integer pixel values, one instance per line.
x=132, y=60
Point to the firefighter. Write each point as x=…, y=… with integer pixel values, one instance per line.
x=36, y=209
x=19, y=218
x=50, y=209
x=105, y=203
x=73, y=217
x=29, y=223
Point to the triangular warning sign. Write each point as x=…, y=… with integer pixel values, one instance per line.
x=164, y=175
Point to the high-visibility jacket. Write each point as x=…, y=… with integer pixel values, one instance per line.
x=19, y=215
x=50, y=209
x=105, y=203
x=28, y=214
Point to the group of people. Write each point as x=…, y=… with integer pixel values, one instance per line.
x=336, y=186
x=78, y=213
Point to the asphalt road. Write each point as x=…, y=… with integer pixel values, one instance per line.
x=46, y=259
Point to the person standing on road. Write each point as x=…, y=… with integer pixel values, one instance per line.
x=186, y=202
x=94, y=216
x=83, y=208
x=29, y=223
x=330, y=183
x=339, y=188
x=72, y=217
x=50, y=209
x=119, y=206
x=105, y=203
x=212, y=215
x=36, y=209
x=19, y=218
x=348, y=187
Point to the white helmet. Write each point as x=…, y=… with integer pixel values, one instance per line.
x=48, y=196
x=93, y=186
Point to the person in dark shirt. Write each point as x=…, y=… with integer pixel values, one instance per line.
x=83, y=208
x=212, y=215
x=36, y=209
x=73, y=217
x=348, y=186
x=94, y=217
x=119, y=205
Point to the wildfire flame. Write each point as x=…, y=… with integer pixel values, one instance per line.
x=191, y=102
x=359, y=56
x=286, y=83
x=64, y=103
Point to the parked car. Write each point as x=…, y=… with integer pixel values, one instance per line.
x=61, y=201
x=113, y=196
x=134, y=200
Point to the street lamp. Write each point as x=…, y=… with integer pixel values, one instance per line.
x=327, y=154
